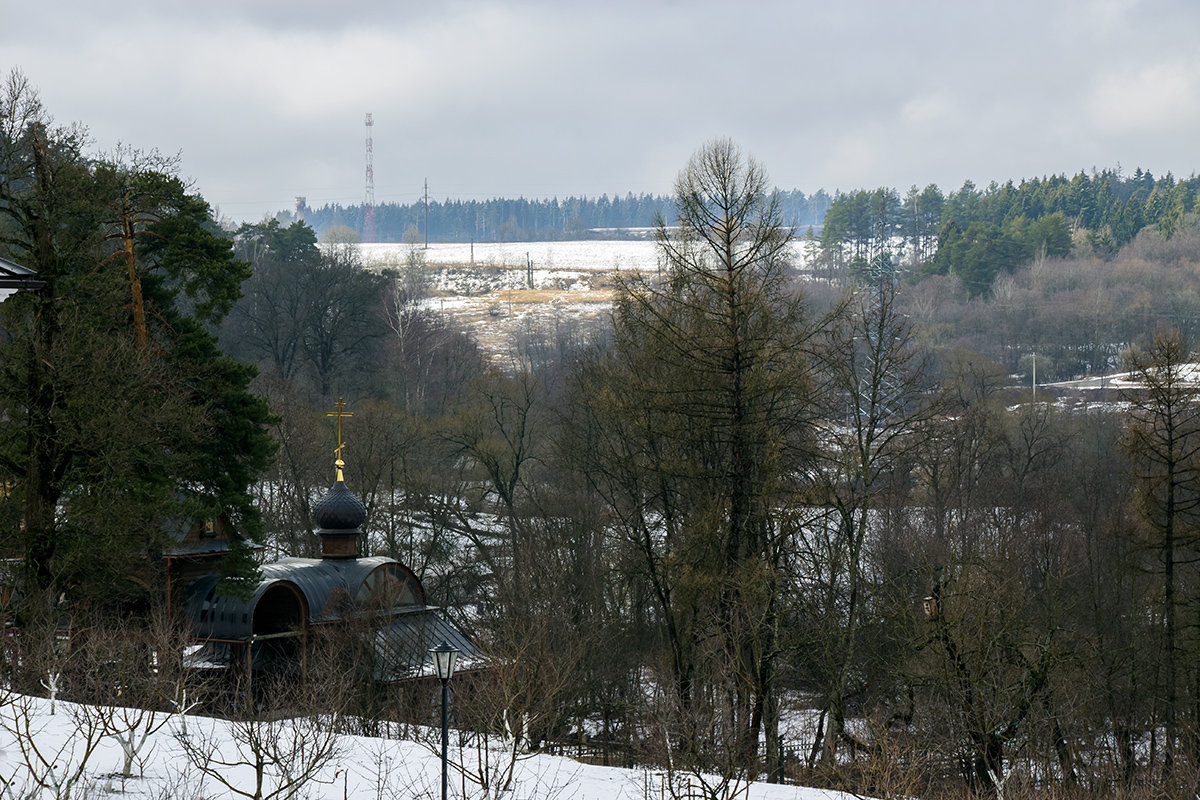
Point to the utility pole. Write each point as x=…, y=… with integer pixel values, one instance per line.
x=427, y=213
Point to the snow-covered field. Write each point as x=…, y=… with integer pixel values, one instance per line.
x=502, y=291
x=360, y=767
x=589, y=255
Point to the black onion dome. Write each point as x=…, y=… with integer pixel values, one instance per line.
x=339, y=510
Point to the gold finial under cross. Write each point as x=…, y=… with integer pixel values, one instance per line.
x=340, y=412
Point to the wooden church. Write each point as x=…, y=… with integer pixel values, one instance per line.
x=267, y=632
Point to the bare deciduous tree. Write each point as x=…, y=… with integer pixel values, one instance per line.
x=1164, y=447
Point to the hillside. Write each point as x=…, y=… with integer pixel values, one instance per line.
x=501, y=292
x=356, y=766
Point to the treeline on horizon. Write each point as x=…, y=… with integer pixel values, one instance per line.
x=972, y=233
x=524, y=220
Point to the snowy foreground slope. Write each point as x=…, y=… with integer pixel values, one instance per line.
x=362, y=767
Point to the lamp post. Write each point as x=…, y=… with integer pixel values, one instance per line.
x=444, y=657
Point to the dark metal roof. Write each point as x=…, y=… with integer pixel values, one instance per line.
x=14, y=276
x=382, y=591
x=333, y=589
x=339, y=510
x=402, y=646
x=215, y=617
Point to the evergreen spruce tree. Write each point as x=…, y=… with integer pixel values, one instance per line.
x=121, y=417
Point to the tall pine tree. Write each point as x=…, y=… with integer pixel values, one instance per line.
x=121, y=416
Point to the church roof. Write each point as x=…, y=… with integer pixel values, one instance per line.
x=403, y=644
x=332, y=589
x=294, y=594
x=339, y=510
x=13, y=276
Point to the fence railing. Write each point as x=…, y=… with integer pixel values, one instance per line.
x=594, y=751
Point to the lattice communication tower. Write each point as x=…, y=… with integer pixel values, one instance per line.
x=369, y=202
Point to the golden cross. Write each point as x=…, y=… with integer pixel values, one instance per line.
x=340, y=412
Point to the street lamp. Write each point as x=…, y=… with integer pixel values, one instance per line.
x=444, y=657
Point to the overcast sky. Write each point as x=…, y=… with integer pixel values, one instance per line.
x=265, y=99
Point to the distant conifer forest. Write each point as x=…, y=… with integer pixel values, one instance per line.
x=524, y=220
x=983, y=232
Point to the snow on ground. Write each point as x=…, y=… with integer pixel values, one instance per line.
x=503, y=291
x=589, y=255
x=1188, y=377
x=362, y=767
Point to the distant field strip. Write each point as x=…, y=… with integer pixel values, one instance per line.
x=591, y=256
x=500, y=292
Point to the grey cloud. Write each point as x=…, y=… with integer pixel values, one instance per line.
x=266, y=99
